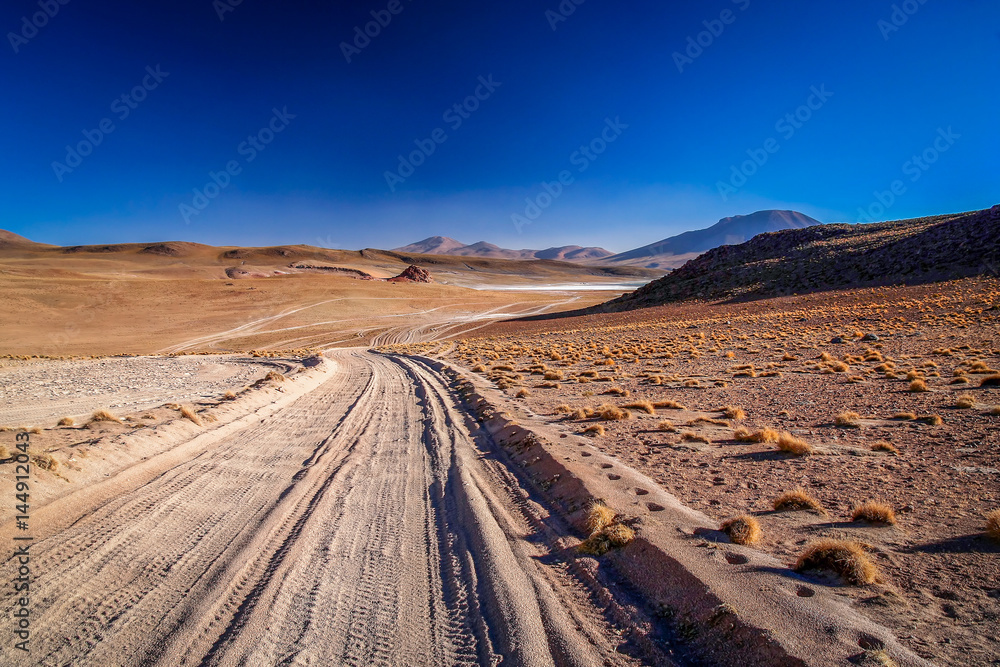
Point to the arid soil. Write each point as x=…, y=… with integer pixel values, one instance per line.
x=795, y=365
x=359, y=519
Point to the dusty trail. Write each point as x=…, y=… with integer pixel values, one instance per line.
x=364, y=524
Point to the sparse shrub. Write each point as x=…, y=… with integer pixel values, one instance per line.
x=645, y=406
x=66, y=421
x=691, y=436
x=4, y=453
x=599, y=516
x=610, y=413
x=479, y=368
x=595, y=429
x=846, y=559
x=873, y=512
x=904, y=416
x=548, y=385
x=965, y=401
x=763, y=435
x=991, y=381
x=554, y=375
x=993, y=524
x=274, y=376
x=734, y=413
x=797, y=500
x=43, y=460
x=885, y=446
x=707, y=420
x=605, y=531
x=615, y=391
x=230, y=395
x=564, y=409
x=583, y=413
x=792, y=445
x=743, y=529
x=523, y=393
x=995, y=410
x=667, y=426
x=848, y=419
x=188, y=413
x=918, y=386
x=668, y=405
x=104, y=416
x=930, y=420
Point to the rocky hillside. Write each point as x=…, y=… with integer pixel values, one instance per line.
x=836, y=256
x=443, y=245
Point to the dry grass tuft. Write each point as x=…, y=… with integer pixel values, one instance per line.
x=734, y=413
x=792, y=445
x=991, y=381
x=743, y=529
x=797, y=500
x=4, y=453
x=229, y=395
x=274, y=376
x=849, y=419
x=668, y=405
x=104, y=416
x=66, y=421
x=995, y=410
x=691, y=436
x=931, y=420
x=615, y=391
x=645, y=406
x=667, y=426
x=847, y=559
x=188, y=413
x=599, y=516
x=918, y=386
x=595, y=429
x=479, y=368
x=43, y=460
x=904, y=416
x=873, y=512
x=763, y=435
x=965, y=401
x=611, y=413
x=524, y=393
x=885, y=446
x=993, y=524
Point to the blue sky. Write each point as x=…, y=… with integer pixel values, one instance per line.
x=642, y=137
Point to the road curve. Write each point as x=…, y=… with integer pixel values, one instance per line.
x=363, y=524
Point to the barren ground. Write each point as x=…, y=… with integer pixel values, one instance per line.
x=775, y=359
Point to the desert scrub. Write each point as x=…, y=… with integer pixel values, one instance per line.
x=885, y=446
x=734, y=413
x=690, y=436
x=668, y=405
x=43, y=460
x=615, y=391
x=848, y=419
x=743, y=529
x=993, y=524
x=611, y=413
x=104, y=416
x=790, y=444
x=274, y=376
x=844, y=558
x=930, y=420
x=524, y=393
x=918, y=386
x=991, y=381
x=66, y=421
x=763, y=435
x=873, y=512
x=594, y=430
x=797, y=500
x=188, y=413
x=965, y=401
x=605, y=531
x=644, y=406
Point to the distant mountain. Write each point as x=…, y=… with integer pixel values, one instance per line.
x=827, y=257
x=673, y=252
x=12, y=240
x=442, y=245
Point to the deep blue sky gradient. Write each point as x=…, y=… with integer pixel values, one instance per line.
x=322, y=179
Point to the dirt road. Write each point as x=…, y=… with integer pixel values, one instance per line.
x=364, y=524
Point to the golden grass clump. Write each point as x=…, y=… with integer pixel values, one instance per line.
x=188, y=413
x=797, y=500
x=849, y=419
x=564, y=409
x=479, y=368
x=930, y=420
x=965, y=401
x=523, y=393
x=792, y=445
x=667, y=426
x=918, y=386
x=885, y=446
x=690, y=436
x=763, y=435
x=873, y=512
x=993, y=524
x=598, y=516
x=43, y=460
x=230, y=395
x=668, y=405
x=66, y=421
x=611, y=413
x=595, y=429
x=4, y=453
x=734, y=413
x=991, y=381
x=104, y=416
x=743, y=529
x=274, y=376
x=995, y=410
x=615, y=391
x=644, y=406
x=583, y=413
x=904, y=416
x=846, y=559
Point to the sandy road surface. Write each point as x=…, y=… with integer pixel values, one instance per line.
x=362, y=525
